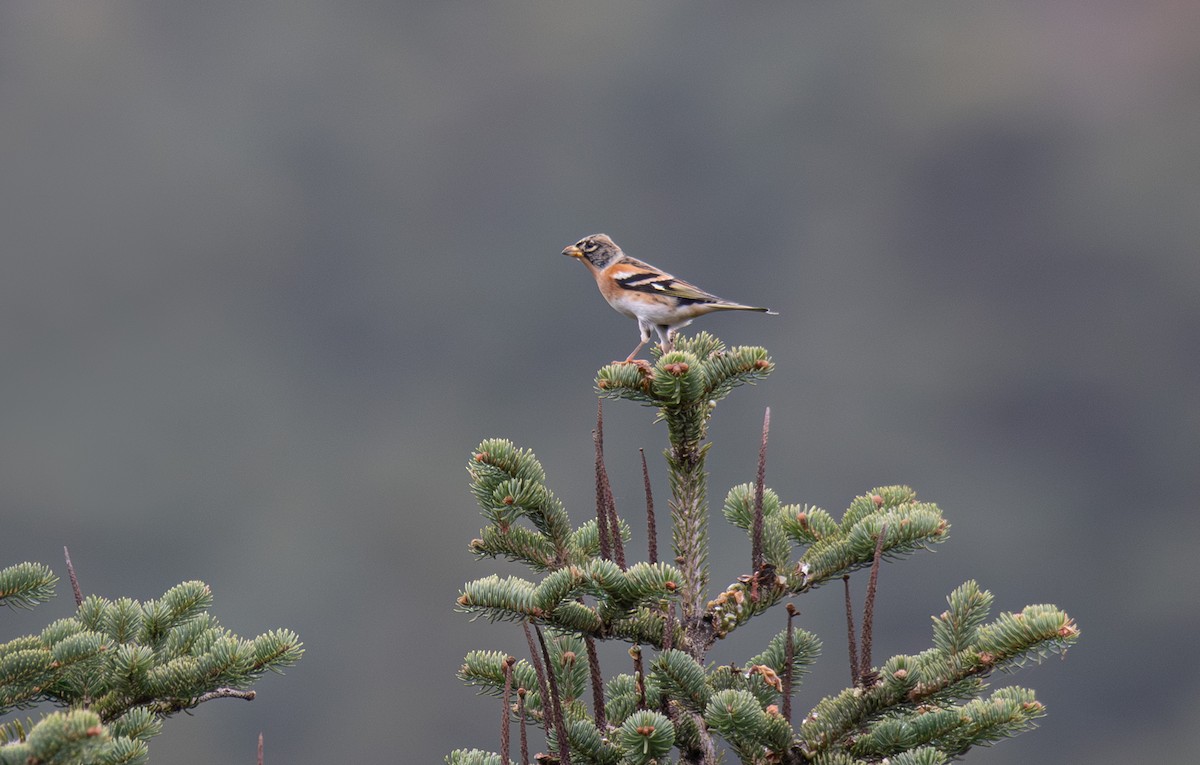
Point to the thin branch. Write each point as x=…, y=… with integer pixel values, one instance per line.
x=651, y=528
x=543, y=688
x=597, y=682
x=74, y=582
x=668, y=638
x=226, y=693
x=507, y=714
x=789, y=669
x=521, y=692
x=602, y=487
x=610, y=505
x=260, y=748
x=639, y=674
x=560, y=725
x=869, y=606
x=756, y=555
x=850, y=632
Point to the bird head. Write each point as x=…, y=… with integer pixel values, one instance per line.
x=596, y=250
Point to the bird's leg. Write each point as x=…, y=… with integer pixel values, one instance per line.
x=629, y=359
x=666, y=338
x=645, y=330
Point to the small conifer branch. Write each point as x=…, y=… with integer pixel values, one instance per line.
x=597, y=682
x=560, y=724
x=651, y=527
x=790, y=656
x=74, y=581
x=850, y=632
x=25, y=585
x=756, y=555
x=506, y=714
x=868, y=627
x=521, y=693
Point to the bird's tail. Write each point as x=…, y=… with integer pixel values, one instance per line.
x=740, y=307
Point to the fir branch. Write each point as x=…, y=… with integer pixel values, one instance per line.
x=932, y=677
x=26, y=584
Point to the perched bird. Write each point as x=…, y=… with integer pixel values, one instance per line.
x=656, y=299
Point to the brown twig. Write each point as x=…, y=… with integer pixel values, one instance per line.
x=560, y=725
x=651, y=528
x=74, y=582
x=639, y=674
x=521, y=722
x=226, y=693
x=507, y=715
x=668, y=638
x=850, y=632
x=597, y=682
x=260, y=748
x=756, y=554
x=869, y=605
x=790, y=658
x=540, y=671
x=602, y=487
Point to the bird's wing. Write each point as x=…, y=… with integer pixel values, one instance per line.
x=634, y=275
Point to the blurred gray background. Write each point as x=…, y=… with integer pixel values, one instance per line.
x=271, y=271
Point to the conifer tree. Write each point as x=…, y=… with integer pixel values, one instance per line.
x=119, y=668
x=922, y=709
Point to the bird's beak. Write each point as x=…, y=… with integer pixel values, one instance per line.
x=573, y=251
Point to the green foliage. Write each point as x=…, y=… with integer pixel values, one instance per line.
x=119, y=668
x=26, y=584
x=921, y=709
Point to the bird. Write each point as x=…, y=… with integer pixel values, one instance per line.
x=658, y=301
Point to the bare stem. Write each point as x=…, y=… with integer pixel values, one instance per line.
x=639, y=674
x=651, y=527
x=540, y=670
x=74, y=582
x=605, y=533
x=560, y=726
x=788, y=670
x=597, y=682
x=869, y=606
x=507, y=712
x=756, y=554
x=521, y=692
x=850, y=634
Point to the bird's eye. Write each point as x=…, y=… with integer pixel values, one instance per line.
x=589, y=245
